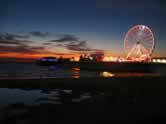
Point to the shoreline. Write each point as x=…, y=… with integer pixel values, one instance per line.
x=118, y=86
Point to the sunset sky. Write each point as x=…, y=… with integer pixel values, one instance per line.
x=35, y=28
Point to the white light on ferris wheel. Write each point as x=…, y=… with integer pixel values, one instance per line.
x=139, y=41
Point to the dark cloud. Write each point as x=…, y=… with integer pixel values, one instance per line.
x=71, y=42
x=9, y=42
x=17, y=49
x=66, y=38
x=39, y=34
x=97, y=53
x=11, y=37
x=47, y=44
x=37, y=49
x=21, y=49
x=16, y=36
x=60, y=45
x=16, y=42
x=78, y=46
x=13, y=43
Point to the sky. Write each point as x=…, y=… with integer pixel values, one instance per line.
x=35, y=28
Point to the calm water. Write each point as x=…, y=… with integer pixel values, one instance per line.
x=31, y=70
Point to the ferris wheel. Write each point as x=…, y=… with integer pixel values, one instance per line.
x=139, y=42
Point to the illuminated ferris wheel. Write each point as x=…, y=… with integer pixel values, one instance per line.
x=139, y=42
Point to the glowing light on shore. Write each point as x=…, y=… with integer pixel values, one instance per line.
x=76, y=59
x=113, y=59
x=163, y=61
x=159, y=60
x=110, y=59
x=107, y=59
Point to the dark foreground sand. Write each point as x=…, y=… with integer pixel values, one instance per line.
x=111, y=100
x=118, y=86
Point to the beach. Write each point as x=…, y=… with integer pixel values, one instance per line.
x=88, y=100
x=47, y=94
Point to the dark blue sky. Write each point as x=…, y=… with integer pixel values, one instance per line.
x=99, y=24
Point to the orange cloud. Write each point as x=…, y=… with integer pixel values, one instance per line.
x=34, y=55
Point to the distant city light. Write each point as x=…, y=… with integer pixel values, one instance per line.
x=110, y=59
x=159, y=60
x=114, y=59
x=163, y=61
x=76, y=59
x=154, y=60
x=91, y=58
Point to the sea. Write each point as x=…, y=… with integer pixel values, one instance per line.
x=27, y=106
x=32, y=70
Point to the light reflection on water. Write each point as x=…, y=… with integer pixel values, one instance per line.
x=128, y=74
x=75, y=72
x=31, y=70
x=106, y=74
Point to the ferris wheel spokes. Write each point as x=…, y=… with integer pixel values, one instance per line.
x=139, y=41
